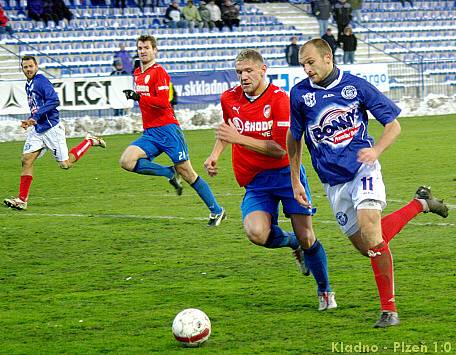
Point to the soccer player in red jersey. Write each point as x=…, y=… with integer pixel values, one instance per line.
x=256, y=116
x=44, y=131
x=162, y=133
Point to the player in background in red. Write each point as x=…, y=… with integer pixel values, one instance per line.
x=257, y=117
x=45, y=131
x=162, y=133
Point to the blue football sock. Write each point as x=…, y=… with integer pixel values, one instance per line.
x=278, y=238
x=315, y=259
x=205, y=192
x=146, y=167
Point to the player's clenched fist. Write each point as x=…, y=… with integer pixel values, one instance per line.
x=131, y=95
x=27, y=123
x=211, y=166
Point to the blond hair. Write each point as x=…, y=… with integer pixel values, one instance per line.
x=250, y=54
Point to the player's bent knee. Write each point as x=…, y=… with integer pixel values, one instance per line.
x=258, y=236
x=127, y=164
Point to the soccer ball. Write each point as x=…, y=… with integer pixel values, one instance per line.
x=191, y=327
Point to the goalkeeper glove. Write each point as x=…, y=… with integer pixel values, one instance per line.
x=131, y=95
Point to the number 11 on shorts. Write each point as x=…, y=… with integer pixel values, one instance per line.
x=367, y=183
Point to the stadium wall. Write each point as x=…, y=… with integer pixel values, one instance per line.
x=87, y=104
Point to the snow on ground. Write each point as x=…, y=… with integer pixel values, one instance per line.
x=202, y=119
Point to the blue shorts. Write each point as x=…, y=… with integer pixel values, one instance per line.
x=167, y=139
x=270, y=187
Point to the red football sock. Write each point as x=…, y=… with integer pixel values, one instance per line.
x=81, y=148
x=382, y=265
x=24, y=187
x=393, y=223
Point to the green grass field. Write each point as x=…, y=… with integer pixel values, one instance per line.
x=103, y=259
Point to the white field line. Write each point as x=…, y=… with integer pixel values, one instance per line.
x=145, y=217
x=319, y=198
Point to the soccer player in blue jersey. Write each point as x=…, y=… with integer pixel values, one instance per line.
x=46, y=132
x=330, y=109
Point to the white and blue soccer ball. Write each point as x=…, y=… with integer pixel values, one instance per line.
x=191, y=327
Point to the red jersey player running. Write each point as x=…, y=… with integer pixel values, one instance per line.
x=256, y=116
x=162, y=133
x=46, y=132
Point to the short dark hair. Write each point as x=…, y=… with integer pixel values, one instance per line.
x=147, y=38
x=28, y=57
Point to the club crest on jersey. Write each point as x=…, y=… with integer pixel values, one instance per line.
x=349, y=92
x=146, y=79
x=342, y=218
x=267, y=111
x=336, y=126
x=309, y=99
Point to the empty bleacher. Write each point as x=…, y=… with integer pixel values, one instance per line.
x=423, y=37
x=87, y=44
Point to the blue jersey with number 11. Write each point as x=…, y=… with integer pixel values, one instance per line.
x=334, y=123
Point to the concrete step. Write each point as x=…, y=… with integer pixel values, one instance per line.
x=308, y=26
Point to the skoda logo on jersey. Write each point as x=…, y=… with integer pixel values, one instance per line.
x=342, y=218
x=309, y=99
x=267, y=111
x=238, y=124
x=349, y=92
x=146, y=79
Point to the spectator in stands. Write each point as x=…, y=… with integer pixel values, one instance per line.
x=98, y=3
x=150, y=3
x=42, y=10
x=119, y=4
x=356, y=10
x=216, y=14
x=331, y=40
x=48, y=13
x=172, y=95
x=125, y=58
x=173, y=16
x=292, y=52
x=349, y=43
x=4, y=27
x=342, y=16
x=192, y=15
x=118, y=70
x=136, y=62
x=35, y=9
x=61, y=11
x=409, y=1
x=205, y=15
x=323, y=13
x=230, y=14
